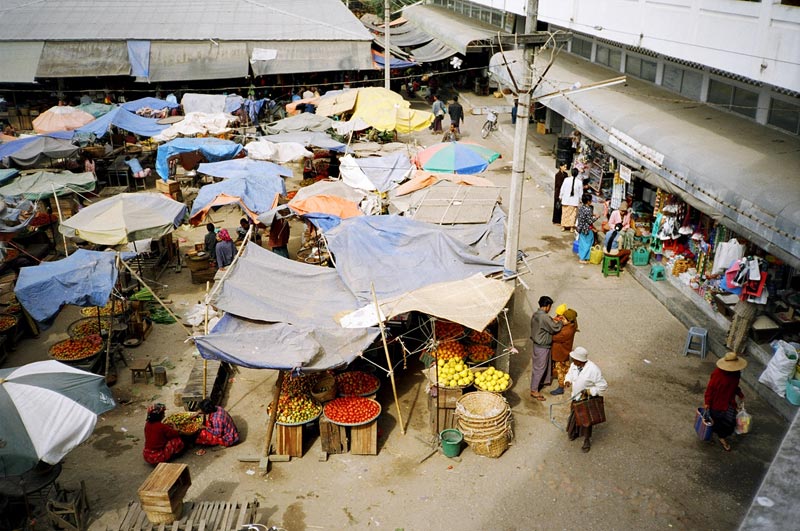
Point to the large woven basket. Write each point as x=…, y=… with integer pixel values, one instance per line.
x=325, y=389
x=492, y=445
x=482, y=409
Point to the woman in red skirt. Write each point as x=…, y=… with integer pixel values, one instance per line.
x=161, y=443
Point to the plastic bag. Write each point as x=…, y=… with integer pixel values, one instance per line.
x=743, y=421
x=780, y=368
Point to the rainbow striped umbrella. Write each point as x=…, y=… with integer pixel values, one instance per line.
x=456, y=157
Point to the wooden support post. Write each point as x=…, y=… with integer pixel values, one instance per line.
x=388, y=360
x=139, y=279
x=273, y=416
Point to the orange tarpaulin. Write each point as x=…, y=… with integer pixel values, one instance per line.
x=325, y=204
x=423, y=179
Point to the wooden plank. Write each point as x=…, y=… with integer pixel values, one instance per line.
x=133, y=510
x=364, y=439
x=253, y=510
x=242, y=513
x=215, y=516
x=140, y=521
x=176, y=525
x=227, y=518
x=162, y=527
x=333, y=437
x=202, y=526
x=148, y=526
x=290, y=441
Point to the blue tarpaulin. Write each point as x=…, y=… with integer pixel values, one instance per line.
x=213, y=149
x=9, y=148
x=139, y=57
x=123, y=119
x=399, y=255
x=227, y=169
x=149, y=102
x=255, y=194
x=385, y=172
x=396, y=64
x=7, y=174
x=85, y=278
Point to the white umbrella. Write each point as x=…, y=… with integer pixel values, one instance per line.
x=48, y=408
x=125, y=218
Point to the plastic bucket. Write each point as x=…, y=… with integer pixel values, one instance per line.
x=575, y=247
x=451, y=442
x=793, y=392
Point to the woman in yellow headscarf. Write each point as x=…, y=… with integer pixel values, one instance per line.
x=562, y=346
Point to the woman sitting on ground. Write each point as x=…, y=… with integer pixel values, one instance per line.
x=219, y=429
x=161, y=443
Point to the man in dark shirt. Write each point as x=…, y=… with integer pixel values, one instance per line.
x=456, y=112
x=559, y=180
x=210, y=241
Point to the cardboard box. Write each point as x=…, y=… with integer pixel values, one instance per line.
x=541, y=128
x=168, y=187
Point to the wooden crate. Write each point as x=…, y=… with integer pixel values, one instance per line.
x=446, y=396
x=333, y=437
x=168, y=187
x=440, y=418
x=364, y=439
x=161, y=494
x=290, y=441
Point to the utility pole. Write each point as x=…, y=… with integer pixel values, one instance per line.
x=518, y=177
x=387, y=54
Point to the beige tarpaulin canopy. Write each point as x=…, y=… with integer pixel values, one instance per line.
x=473, y=302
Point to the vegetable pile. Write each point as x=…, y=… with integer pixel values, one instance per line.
x=88, y=327
x=92, y=311
x=184, y=423
x=352, y=410
x=76, y=349
x=356, y=383
x=7, y=322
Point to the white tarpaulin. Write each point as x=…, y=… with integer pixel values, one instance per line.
x=197, y=123
x=281, y=153
x=473, y=302
x=207, y=103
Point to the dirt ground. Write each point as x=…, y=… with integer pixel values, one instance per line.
x=646, y=469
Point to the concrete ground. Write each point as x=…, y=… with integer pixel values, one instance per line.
x=646, y=469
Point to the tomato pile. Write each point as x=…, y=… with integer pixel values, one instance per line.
x=91, y=311
x=352, y=410
x=479, y=352
x=446, y=350
x=6, y=322
x=445, y=330
x=356, y=383
x=184, y=423
x=76, y=349
x=88, y=327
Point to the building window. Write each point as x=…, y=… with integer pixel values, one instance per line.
x=641, y=68
x=582, y=47
x=686, y=82
x=737, y=99
x=784, y=115
x=609, y=57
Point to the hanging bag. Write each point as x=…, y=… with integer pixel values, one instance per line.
x=589, y=411
x=743, y=421
x=703, y=425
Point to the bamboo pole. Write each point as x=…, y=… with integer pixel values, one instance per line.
x=60, y=218
x=205, y=330
x=273, y=416
x=388, y=360
x=139, y=279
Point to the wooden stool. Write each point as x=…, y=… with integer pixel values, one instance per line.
x=610, y=264
x=69, y=509
x=141, y=368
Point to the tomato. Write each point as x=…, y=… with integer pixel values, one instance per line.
x=352, y=410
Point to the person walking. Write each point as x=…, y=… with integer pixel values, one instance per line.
x=570, y=196
x=720, y=397
x=561, y=174
x=562, y=346
x=438, y=110
x=585, y=379
x=585, y=228
x=456, y=112
x=542, y=329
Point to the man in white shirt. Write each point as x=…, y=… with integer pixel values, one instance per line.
x=586, y=380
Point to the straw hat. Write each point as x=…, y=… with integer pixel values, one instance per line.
x=579, y=354
x=731, y=362
x=561, y=309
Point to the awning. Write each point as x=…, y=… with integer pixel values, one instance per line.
x=84, y=59
x=433, y=51
x=743, y=174
x=457, y=32
x=294, y=57
x=19, y=61
x=183, y=61
x=403, y=34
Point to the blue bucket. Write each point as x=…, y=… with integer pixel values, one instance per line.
x=575, y=247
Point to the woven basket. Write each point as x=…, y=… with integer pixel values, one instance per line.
x=491, y=446
x=325, y=389
x=481, y=406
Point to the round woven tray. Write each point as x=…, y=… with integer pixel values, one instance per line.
x=357, y=423
x=92, y=323
x=188, y=429
x=89, y=354
x=481, y=407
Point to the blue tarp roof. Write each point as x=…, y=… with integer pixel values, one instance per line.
x=396, y=63
x=9, y=148
x=214, y=149
x=152, y=103
x=85, y=278
x=385, y=172
x=245, y=167
x=6, y=174
x=124, y=120
x=399, y=254
x=257, y=194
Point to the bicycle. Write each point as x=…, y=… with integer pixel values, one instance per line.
x=489, y=125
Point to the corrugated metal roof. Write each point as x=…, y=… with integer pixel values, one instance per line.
x=262, y=20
